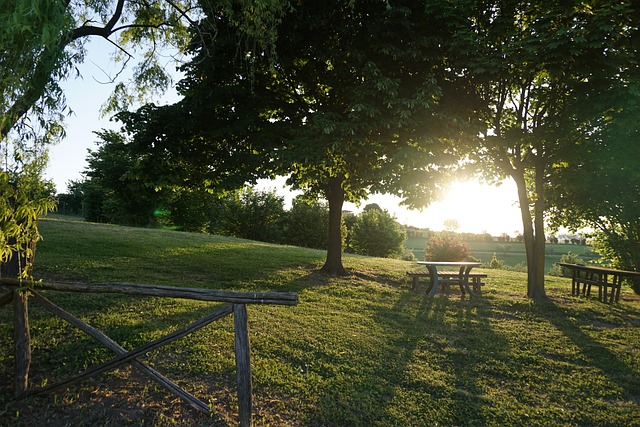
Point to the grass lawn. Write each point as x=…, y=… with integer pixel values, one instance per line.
x=360, y=350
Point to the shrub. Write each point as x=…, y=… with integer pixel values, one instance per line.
x=408, y=255
x=446, y=246
x=376, y=233
x=495, y=263
x=306, y=224
x=249, y=214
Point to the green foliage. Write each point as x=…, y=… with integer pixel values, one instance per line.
x=495, y=263
x=32, y=62
x=70, y=203
x=547, y=76
x=250, y=214
x=350, y=104
x=598, y=187
x=24, y=198
x=446, y=246
x=116, y=190
x=186, y=209
x=618, y=246
x=376, y=233
x=306, y=224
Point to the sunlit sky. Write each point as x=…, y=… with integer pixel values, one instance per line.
x=476, y=207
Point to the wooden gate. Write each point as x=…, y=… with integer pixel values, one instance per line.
x=237, y=304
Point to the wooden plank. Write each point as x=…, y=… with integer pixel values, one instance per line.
x=22, y=340
x=118, y=360
x=426, y=273
x=597, y=269
x=243, y=364
x=279, y=298
x=116, y=348
x=591, y=282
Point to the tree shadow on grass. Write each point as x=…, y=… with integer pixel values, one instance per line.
x=429, y=346
x=595, y=352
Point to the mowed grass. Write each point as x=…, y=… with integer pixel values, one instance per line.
x=359, y=350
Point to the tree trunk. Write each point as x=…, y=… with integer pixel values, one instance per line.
x=534, y=239
x=335, y=197
x=536, y=290
x=532, y=236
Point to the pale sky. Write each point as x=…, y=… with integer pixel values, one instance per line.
x=476, y=207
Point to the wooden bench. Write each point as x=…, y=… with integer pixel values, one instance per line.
x=608, y=280
x=446, y=278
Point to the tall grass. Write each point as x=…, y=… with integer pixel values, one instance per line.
x=359, y=350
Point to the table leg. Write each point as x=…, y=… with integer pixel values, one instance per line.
x=464, y=271
x=617, y=280
x=433, y=274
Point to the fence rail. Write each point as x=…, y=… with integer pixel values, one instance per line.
x=18, y=293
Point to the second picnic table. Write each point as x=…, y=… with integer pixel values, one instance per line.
x=591, y=275
x=463, y=275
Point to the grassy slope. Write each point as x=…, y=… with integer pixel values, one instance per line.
x=361, y=350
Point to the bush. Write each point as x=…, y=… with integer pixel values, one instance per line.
x=446, y=246
x=495, y=263
x=376, y=233
x=306, y=224
x=569, y=258
x=249, y=214
x=408, y=255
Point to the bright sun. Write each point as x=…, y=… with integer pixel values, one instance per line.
x=480, y=207
x=476, y=208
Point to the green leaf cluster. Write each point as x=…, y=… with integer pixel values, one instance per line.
x=24, y=198
x=376, y=233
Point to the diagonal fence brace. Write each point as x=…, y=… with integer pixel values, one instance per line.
x=116, y=348
x=118, y=360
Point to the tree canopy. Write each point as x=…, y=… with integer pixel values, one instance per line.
x=356, y=100
x=547, y=75
x=42, y=41
x=599, y=187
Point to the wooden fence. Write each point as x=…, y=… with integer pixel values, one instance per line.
x=16, y=293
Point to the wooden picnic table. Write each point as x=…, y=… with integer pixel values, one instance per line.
x=602, y=277
x=463, y=274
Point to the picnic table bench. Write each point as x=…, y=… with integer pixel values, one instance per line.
x=446, y=278
x=603, y=278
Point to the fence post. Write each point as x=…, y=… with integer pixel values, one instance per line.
x=243, y=364
x=22, y=340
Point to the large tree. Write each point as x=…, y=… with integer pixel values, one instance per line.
x=357, y=99
x=42, y=41
x=599, y=188
x=547, y=75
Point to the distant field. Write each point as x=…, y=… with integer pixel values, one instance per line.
x=511, y=253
